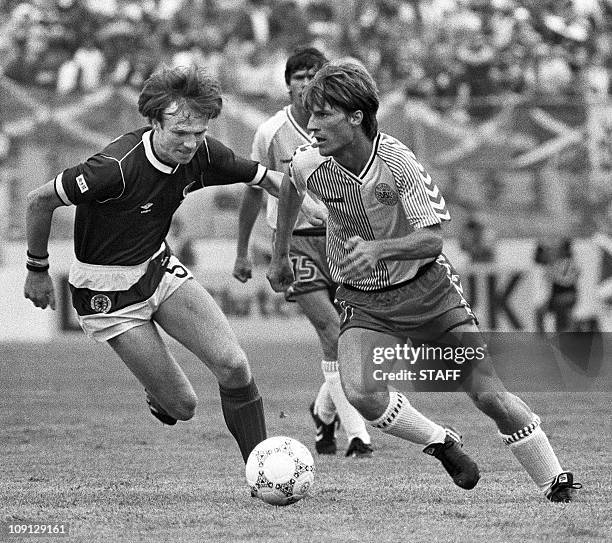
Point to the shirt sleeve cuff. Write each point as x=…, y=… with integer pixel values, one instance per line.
x=61, y=193
x=261, y=173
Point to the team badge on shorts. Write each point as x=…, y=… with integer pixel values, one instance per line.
x=385, y=194
x=100, y=303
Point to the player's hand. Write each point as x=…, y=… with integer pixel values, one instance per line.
x=39, y=288
x=243, y=269
x=315, y=212
x=280, y=275
x=361, y=259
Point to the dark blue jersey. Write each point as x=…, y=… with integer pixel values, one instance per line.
x=126, y=196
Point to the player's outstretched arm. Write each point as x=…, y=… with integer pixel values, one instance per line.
x=280, y=273
x=249, y=210
x=271, y=182
x=38, y=287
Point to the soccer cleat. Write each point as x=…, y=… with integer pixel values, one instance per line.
x=326, y=433
x=358, y=449
x=457, y=463
x=562, y=488
x=158, y=412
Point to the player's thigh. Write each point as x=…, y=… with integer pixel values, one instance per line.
x=192, y=317
x=322, y=314
x=145, y=353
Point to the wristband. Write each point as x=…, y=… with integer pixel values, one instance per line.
x=37, y=269
x=37, y=263
x=35, y=257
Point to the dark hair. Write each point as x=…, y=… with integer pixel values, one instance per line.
x=347, y=86
x=304, y=58
x=187, y=86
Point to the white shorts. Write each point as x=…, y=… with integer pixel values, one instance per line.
x=101, y=320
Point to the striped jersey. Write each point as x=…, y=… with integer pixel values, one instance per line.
x=390, y=198
x=125, y=195
x=273, y=146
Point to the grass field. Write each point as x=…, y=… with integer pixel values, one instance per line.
x=79, y=446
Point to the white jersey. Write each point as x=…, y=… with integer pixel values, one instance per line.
x=274, y=144
x=390, y=198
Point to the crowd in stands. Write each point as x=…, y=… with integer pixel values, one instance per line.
x=445, y=51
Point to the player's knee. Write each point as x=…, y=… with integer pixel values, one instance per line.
x=490, y=402
x=363, y=400
x=183, y=407
x=232, y=366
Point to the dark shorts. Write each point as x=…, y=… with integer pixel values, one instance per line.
x=309, y=260
x=422, y=309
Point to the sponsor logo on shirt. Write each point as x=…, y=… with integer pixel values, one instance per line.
x=333, y=199
x=80, y=180
x=385, y=194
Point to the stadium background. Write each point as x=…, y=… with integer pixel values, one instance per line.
x=505, y=102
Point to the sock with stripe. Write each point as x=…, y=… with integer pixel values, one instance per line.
x=244, y=416
x=351, y=420
x=532, y=449
x=402, y=420
x=324, y=406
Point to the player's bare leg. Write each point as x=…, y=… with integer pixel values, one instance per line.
x=322, y=314
x=391, y=411
x=192, y=317
x=144, y=352
x=518, y=425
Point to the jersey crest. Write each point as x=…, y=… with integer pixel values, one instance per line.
x=386, y=195
x=100, y=303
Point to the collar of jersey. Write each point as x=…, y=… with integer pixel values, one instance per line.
x=147, y=141
x=307, y=136
x=368, y=165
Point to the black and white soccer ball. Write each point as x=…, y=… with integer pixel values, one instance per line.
x=280, y=470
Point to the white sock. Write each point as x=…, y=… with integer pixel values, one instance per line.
x=402, y=420
x=351, y=420
x=324, y=406
x=532, y=449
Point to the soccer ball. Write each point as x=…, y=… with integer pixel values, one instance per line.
x=280, y=470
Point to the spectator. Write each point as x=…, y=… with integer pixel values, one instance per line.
x=496, y=46
x=253, y=25
x=477, y=241
x=562, y=273
x=83, y=71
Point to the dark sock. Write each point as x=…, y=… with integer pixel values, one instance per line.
x=244, y=415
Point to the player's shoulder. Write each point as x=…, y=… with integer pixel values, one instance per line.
x=270, y=127
x=393, y=151
x=391, y=145
x=279, y=119
x=213, y=150
x=125, y=144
